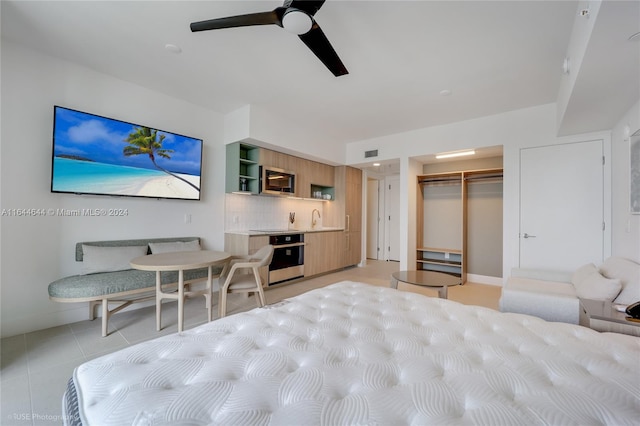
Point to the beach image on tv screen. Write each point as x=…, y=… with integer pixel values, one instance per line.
x=98, y=155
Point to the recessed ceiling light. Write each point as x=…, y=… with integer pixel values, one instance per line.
x=376, y=164
x=173, y=48
x=445, y=92
x=455, y=154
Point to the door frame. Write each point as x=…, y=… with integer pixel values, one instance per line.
x=387, y=212
x=607, y=192
x=375, y=230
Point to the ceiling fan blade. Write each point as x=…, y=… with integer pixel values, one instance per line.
x=319, y=44
x=309, y=6
x=262, y=18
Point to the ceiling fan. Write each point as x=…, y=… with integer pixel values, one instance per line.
x=295, y=16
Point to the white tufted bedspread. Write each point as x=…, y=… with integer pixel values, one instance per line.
x=352, y=354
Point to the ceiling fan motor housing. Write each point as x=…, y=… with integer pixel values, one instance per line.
x=297, y=21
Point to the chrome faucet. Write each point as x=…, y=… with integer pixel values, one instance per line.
x=313, y=220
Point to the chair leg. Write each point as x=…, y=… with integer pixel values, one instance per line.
x=208, y=297
x=158, y=301
x=222, y=302
x=260, y=293
x=222, y=297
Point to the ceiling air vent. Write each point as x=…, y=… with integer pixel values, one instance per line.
x=372, y=153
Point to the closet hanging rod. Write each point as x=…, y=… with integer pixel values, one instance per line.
x=488, y=176
x=440, y=180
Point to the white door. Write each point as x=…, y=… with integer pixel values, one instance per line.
x=561, y=205
x=373, y=218
x=392, y=217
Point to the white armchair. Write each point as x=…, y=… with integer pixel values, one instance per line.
x=243, y=276
x=555, y=296
x=549, y=295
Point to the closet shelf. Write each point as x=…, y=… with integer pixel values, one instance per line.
x=441, y=250
x=441, y=260
x=437, y=187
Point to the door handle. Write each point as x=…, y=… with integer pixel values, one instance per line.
x=528, y=236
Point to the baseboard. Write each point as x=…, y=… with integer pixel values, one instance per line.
x=484, y=279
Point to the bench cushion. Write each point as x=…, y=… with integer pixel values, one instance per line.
x=97, y=286
x=127, y=243
x=174, y=246
x=109, y=259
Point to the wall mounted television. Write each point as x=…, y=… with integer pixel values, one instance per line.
x=103, y=156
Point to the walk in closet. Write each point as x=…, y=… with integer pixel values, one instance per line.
x=460, y=222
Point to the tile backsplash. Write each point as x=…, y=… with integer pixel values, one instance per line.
x=245, y=212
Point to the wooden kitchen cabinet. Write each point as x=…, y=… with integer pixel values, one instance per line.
x=243, y=171
x=321, y=180
x=301, y=168
x=353, y=205
x=353, y=217
x=275, y=159
x=348, y=212
x=322, y=252
x=321, y=174
x=352, y=250
x=312, y=176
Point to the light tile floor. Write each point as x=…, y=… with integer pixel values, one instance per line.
x=36, y=366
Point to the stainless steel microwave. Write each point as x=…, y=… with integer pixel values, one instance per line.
x=277, y=181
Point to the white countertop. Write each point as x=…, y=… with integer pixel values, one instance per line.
x=251, y=232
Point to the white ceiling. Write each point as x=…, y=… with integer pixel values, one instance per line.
x=493, y=57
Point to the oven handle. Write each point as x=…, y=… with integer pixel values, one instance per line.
x=278, y=246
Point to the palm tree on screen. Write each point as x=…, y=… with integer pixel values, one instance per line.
x=144, y=140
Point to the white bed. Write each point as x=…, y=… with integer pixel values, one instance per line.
x=352, y=353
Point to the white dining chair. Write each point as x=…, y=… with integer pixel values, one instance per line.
x=243, y=276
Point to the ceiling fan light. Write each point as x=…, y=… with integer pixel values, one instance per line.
x=297, y=22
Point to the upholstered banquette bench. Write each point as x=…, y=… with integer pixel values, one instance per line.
x=106, y=276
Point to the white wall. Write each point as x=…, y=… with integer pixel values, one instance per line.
x=626, y=227
x=276, y=130
x=579, y=42
x=38, y=250
x=513, y=130
x=526, y=127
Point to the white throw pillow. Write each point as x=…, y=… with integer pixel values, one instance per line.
x=174, y=246
x=109, y=259
x=582, y=273
x=628, y=272
x=597, y=287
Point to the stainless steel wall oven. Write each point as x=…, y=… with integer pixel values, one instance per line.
x=288, y=257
